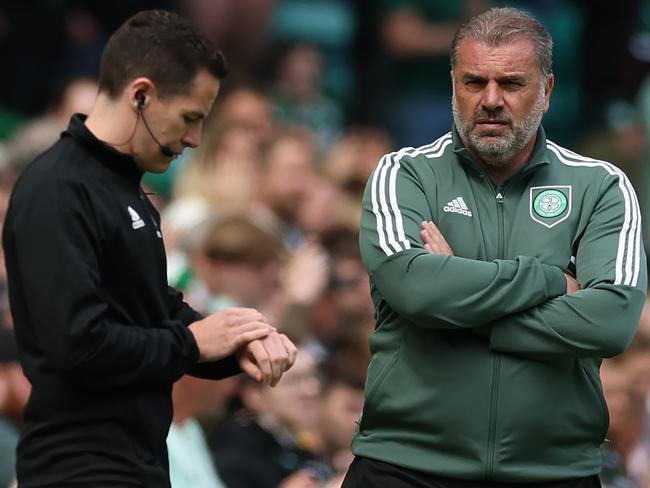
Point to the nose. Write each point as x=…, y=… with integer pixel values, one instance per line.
x=192, y=137
x=492, y=96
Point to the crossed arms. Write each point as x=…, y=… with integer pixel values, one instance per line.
x=522, y=306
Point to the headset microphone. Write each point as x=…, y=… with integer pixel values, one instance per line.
x=139, y=96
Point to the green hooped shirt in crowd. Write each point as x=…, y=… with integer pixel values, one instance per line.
x=483, y=367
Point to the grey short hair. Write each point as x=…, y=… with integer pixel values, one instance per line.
x=498, y=26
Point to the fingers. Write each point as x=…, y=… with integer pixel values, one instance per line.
x=268, y=358
x=253, y=326
x=237, y=316
x=306, y=274
x=291, y=349
x=283, y=355
x=250, y=368
x=261, y=359
x=221, y=334
x=241, y=335
x=250, y=332
x=572, y=284
x=277, y=356
x=434, y=241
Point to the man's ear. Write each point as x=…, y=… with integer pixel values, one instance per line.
x=140, y=91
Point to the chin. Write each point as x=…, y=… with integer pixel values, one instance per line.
x=159, y=166
x=164, y=168
x=495, y=134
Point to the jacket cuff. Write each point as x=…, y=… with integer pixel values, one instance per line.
x=555, y=281
x=190, y=347
x=216, y=370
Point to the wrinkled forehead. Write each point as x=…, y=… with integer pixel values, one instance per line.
x=518, y=55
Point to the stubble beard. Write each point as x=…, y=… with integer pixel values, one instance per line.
x=494, y=148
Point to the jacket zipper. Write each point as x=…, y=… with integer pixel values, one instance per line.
x=496, y=362
x=146, y=209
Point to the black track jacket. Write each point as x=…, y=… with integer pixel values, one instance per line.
x=101, y=335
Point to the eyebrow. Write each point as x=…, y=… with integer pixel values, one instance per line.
x=473, y=77
x=468, y=77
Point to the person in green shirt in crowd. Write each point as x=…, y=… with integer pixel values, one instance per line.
x=416, y=35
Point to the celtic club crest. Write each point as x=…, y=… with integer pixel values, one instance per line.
x=550, y=205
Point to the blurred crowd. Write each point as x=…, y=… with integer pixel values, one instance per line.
x=265, y=212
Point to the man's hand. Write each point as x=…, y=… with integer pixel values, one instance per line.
x=434, y=241
x=305, y=275
x=265, y=360
x=572, y=284
x=222, y=333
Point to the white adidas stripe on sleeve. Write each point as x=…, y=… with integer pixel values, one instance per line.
x=628, y=254
x=383, y=193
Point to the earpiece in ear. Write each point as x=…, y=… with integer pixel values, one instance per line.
x=140, y=98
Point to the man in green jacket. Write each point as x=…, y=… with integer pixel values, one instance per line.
x=503, y=269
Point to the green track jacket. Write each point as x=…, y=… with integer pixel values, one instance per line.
x=482, y=366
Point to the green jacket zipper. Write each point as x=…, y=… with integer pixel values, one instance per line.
x=490, y=460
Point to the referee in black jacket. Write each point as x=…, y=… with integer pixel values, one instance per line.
x=101, y=335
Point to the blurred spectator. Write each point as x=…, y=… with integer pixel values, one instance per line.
x=644, y=113
x=298, y=98
x=349, y=164
x=249, y=108
x=179, y=220
x=621, y=139
x=324, y=208
x=225, y=174
x=7, y=179
x=637, y=362
x=269, y=444
x=14, y=391
x=417, y=35
x=240, y=261
x=340, y=407
x=343, y=315
x=286, y=180
x=565, y=21
x=76, y=96
x=302, y=280
x=236, y=261
x=224, y=171
x=626, y=383
x=626, y=460
x=190, y=461
x=239, y=27
x=328, y=25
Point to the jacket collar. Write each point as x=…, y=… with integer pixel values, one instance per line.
x=107, y=155
x=538, y=158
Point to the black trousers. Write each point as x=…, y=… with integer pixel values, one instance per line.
x=368, y=473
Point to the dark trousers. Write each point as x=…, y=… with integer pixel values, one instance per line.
x=368, y=473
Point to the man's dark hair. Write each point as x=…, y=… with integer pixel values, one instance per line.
x=499, y=26
x=162, y=46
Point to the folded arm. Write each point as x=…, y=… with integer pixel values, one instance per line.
x=438, y=291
